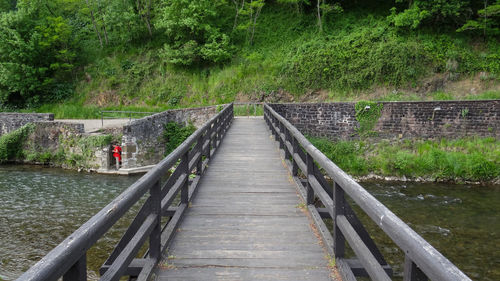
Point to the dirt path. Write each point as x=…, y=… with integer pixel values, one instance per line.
x=92, y=125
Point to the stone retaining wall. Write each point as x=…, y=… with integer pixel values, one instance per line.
x=452, y=119
x=11, y=121
x=142, y=141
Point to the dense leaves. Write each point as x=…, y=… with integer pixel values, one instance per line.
x=46, y=45
x=175, y=134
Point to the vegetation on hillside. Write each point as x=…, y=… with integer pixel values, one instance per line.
x=74, y=57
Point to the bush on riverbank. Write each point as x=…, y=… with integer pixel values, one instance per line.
x=467, y=159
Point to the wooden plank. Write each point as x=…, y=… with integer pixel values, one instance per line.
x=235, y=274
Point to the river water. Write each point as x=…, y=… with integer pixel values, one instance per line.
x=42, y=206
x=460, y=221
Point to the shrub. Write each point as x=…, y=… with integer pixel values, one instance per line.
x=11, y=144
x=175, y=134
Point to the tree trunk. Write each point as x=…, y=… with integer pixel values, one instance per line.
x=148, y=18
x=93, y=22
x=318, y=8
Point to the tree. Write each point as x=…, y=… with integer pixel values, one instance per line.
x=488, y=20
x=36, y=55
x=193, y=32
x=447, y=12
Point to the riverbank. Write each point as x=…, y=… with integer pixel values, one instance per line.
x=471, y=160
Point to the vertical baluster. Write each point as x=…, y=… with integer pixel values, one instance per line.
x=412, y=272
x=309, y=172
x=155, y=236
x=78, y=272
x=184, y=165
x=338, y=210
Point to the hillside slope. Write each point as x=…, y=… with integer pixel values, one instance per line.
x=359, y=55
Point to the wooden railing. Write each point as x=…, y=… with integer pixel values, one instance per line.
x=68, y=259
x=307, y=164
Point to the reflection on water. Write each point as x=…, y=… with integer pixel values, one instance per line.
x=462, y=222
x=42, y=206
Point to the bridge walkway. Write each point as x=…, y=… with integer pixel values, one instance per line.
x=245, y=222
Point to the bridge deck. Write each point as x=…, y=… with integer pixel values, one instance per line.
x=244, y=223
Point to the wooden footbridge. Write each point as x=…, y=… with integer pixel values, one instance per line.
x=240, y=207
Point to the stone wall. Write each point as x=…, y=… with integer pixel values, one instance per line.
x=451, y=119
x=12, y=121
x=142, y=141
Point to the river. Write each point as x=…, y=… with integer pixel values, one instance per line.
x=460, y=221
x=41, y=206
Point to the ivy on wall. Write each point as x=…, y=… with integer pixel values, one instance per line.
x=367, y=114
x=11, y=144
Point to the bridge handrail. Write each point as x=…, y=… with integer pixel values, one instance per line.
x=68, y=259
x=417, y=250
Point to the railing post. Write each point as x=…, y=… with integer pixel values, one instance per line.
x=295, y=146
x=287, y=139
x=309, y=173
x=338, y=210
x=102, y=119
x=155, y=236
x=78, y=272
x=282, y=142
x=185, y=169
x=209, y=137
x=199, y=147
x=412, y=272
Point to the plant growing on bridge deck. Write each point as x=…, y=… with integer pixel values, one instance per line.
x=175, y=134
x=367, y=114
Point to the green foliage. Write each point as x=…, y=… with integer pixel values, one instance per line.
x=193, y=32
x=487, y=22
x=36, y=57
x=367, y=114
x=357, y=60
x=248, y=110
x=11, y=144
x=345, y=154
x=175, y=134
x=430, y=11
x=468, y=159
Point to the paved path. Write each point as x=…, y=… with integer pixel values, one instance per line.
x=92, y=125
x=244, y=223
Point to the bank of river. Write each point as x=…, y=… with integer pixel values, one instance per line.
x=42, y=206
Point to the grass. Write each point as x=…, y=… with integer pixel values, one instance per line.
x=466, y=159
x=248, y=110
x=358, y=53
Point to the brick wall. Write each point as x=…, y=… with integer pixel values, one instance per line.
x=12, y=121
x=142, y=141
x=451, y=119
